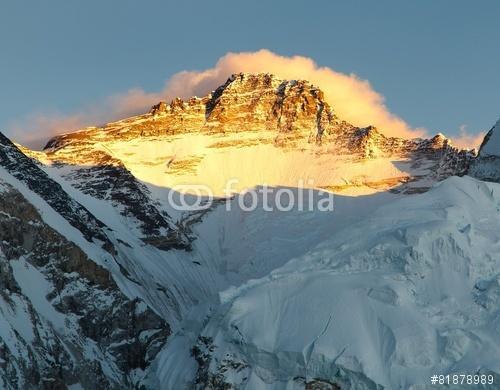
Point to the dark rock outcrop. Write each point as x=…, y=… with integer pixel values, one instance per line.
x=26, y=171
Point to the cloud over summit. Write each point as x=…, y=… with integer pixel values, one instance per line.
x=352, y=98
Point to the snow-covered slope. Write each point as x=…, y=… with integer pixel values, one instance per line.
x=86, y=301
x=407, y=291
x=487, y=165
x=63, y=318
x=491, y=143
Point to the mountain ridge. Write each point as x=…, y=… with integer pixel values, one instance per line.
x=253, y=110
x=280, y=97
x=166, y=298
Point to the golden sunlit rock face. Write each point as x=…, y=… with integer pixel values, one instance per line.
x=258, y=129
x=246, y=102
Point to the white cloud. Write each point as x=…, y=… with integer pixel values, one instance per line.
x=352, y=98
x=466, y=140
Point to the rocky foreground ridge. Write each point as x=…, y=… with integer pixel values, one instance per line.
x=64, y=318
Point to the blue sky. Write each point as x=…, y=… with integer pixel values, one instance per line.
x=436, y=62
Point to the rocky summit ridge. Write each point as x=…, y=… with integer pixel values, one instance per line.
x=249, y=110
x=245, y=102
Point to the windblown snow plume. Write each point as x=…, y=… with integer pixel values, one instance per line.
x=352, y=98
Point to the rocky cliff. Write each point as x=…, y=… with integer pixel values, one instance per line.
x=64, y=319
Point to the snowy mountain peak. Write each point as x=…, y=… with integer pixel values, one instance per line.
x=261, y=121
x=263, y=101
x=487, y=164
x=491, y=143
x=439, y=140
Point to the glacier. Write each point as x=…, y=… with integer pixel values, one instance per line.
x=412, y=288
